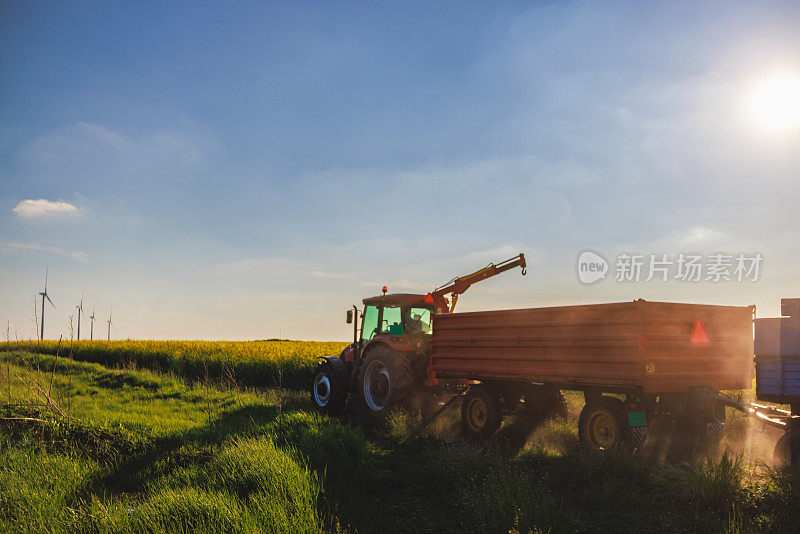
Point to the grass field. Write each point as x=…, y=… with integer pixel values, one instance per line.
x=124, y=450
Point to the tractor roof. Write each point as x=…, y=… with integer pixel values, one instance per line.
x=397, y=299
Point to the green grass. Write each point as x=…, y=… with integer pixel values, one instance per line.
x=142, y=452
x=149, y=452
x=247, y=363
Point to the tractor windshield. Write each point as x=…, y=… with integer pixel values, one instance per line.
x=369, y=322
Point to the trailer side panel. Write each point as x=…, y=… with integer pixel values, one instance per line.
x=696, y=345
x=631, y=345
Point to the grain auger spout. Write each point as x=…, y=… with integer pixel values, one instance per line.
x=459, y=285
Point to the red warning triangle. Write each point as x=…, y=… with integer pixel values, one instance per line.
x=698, y=338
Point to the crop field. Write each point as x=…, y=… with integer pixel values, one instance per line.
x=247, y=363
x=117, y=447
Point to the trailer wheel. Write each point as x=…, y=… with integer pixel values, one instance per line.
x=329, y=386
x=602, y=425
x=481, y=412
x=385, y=379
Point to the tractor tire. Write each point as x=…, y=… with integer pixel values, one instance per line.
x=329, y=386
x=602, y=425
x=385, y=379
x=481, y=413
x=546, y=402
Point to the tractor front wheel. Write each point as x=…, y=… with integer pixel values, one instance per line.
x=329, y=386
x=481, y=412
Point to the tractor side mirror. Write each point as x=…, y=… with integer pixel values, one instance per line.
x=349, y=316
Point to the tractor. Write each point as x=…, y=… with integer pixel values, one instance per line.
x=390, y=353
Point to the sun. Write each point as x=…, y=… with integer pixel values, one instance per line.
x=775, y=103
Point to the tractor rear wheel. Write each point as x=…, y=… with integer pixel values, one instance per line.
x=329, y=386
x=601, y=425
x=385, y=379
x=481, y=412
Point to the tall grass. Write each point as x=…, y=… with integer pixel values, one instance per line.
x=34, y=487
x=249, y=486
x=145, y=453
x=249, y=364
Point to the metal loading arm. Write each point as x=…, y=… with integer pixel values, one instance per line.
x=459, y=285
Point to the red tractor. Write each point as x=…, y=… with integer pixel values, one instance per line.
x=390, y=352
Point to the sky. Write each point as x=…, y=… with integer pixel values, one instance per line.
x=249, y=170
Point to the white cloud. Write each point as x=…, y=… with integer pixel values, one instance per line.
x=45, y=208
x=14, y=248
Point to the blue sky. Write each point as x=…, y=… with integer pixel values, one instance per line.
x=247, y=170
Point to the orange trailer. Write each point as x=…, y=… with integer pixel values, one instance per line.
x=632, y=360
x=639, y=346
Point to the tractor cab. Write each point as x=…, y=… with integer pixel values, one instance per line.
x=401, y=314
x=389, y=351
x=402, y=321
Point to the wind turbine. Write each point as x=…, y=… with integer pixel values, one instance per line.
x=109, y=324
x=80, y=311
x=45, y=296
x=91, y=324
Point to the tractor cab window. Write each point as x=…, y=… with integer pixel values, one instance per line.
x=392, y=320
x=418, y=321
x=369, y=322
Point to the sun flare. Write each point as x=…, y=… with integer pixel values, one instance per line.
x=775, y=103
